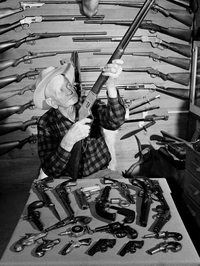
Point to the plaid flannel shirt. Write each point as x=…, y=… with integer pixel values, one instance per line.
x=52, y=126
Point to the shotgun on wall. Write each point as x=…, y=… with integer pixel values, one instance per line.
x=90, y=99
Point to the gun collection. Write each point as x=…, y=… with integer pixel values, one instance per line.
x=149, y=190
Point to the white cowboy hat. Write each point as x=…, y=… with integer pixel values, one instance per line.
x=43, y=79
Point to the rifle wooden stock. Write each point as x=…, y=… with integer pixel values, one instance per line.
x=4, y=81
x=179, y=33
x=90, y=99
x=6, y=128
x=9, y=146
x=15, y=109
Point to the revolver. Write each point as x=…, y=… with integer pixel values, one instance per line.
x=28, y=240
x=46, y=245
x=165, y=235
x=164, y=247
x=33, y=215
x=101, y=245
x=69, y=220
x=72, y=244
x=131, y=247
x=117, y=229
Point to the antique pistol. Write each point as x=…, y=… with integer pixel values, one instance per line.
x=101, y=245
x=28, y=240
x=101, y=204
x=63, y=190
x=165, y=235
x=164, y=247
x=33, y=215
x=121, y=186
x=69, y=220
x=117, y=229
x=72, y=244
x=45, y=246
x=131, y=247
x=163, y=210
x=42, y=187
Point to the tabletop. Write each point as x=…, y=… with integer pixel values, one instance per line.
x=79, y=256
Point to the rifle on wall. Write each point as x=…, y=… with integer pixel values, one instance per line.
x=27, y=59
x=9, y=146
x=183, y=63
x=32, y=37
x=180, y=93
x=15, y=109
x=25, y=22
x=90, y=99
x=181, y=78
x=6, y=128
x=179, y=33
x=4, y=81
x=155, y=42
x=183, y=16
x=6, y=95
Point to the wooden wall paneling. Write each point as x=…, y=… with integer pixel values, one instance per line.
x=125, y=149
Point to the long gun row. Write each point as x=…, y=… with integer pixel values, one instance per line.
x=183, y=16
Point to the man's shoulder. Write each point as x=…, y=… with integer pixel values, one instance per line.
x=48, y=117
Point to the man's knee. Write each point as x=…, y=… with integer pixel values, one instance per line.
x=90, y=7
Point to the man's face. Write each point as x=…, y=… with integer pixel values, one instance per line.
x=61, y=91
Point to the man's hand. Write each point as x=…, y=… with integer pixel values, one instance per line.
x=80, y=130
x=113, y=71
x=90, y=7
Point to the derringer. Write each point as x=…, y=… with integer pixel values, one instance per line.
x=117, y=229
x=164, y=247
x=101, y=245
x=131, y=247
x=28, y=240
x=33, y=215
x=165, y=235
x=72, y=244
x=46, y=246
x=69, y=220
x=63, y=190
x=42, y=187
x=122, y=187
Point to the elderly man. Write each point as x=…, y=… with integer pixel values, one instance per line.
x=58, y=128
